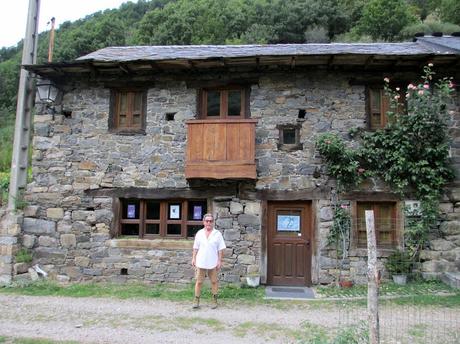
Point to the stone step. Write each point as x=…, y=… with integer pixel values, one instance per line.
x=452, y=279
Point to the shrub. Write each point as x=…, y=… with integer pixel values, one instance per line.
x=399, y=262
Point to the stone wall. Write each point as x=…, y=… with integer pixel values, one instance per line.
x=69, y=230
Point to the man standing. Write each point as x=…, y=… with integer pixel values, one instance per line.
x=208, y=250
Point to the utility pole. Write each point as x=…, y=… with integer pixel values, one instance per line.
x=26, y=96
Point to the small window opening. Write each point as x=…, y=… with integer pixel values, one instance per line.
x=123, y=271
x=289, y=136
x=302, y=113
x=170, y=116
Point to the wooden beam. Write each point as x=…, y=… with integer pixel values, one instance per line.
x=279, y=195
x=368, y=62
x=159, y=194
x=124, y=68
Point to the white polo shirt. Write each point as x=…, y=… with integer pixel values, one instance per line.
x=208, y=248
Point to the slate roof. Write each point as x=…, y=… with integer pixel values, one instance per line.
x=137, y=61
x=197, y=52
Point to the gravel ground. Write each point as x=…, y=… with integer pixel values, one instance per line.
x=108, y=320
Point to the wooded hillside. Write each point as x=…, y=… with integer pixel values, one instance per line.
x=164, y=22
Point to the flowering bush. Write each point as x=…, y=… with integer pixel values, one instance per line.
x=411, y=153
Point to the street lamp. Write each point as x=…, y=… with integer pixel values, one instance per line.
x=48, y=92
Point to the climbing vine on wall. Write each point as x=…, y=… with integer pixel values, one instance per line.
x=411, y=153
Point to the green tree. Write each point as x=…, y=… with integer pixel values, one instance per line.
x=450, y=11
x=384, y=19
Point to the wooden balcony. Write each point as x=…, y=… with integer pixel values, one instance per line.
x=221, y=149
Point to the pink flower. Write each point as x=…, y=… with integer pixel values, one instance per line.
x=344, y=206
x=397, y=96
x=426, y=86
x=407, y=95
x=451, y=84
x=397, y=89
x=430, y=65
x=411, y=87
x=421, y=92
x=361, y=170
x=328, y=142
x=387, y=80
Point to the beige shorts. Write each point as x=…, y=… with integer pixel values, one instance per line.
x=200, y=274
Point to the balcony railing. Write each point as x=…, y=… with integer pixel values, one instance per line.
x=221, y=149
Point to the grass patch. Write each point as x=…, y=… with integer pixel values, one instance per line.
x=23, y=256
x=188, y=323
x=135, y=290
x=389, y=289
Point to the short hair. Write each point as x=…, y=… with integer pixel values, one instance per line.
x=208, y=215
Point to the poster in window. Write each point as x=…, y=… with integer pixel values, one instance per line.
x=288, y=223
x=197, y=212
x=174, y=211
x=131, y=211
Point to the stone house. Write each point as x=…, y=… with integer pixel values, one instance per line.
x=145, y=140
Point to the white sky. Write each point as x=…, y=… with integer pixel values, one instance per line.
x=13, y=15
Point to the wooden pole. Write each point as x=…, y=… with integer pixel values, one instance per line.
x=51, y=42
x=26, y=96
x=373, y=280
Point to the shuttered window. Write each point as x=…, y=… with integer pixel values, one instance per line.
x=385, y=220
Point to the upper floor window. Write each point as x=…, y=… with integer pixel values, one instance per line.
x=128, y=108
x=222, y=103
x=165, y=218
x=385, y=222
x=378, y=104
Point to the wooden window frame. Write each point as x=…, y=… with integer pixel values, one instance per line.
x=114, y=117
x=395, y=220
x=384, y=106
x=288, y=147
x=223, y=111
x=163, y=221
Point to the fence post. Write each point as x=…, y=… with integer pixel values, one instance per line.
x=372, y=280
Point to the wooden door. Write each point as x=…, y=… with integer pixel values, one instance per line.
x=289, y=243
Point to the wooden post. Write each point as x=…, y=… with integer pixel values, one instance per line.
x=373, y=280
x=51, y=42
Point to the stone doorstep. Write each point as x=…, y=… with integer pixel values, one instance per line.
x=452, y=279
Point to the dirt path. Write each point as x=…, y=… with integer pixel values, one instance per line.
x=100, y=320
x=106, y=320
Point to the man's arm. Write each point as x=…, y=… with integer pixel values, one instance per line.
x=219, y=260
x=194, y=257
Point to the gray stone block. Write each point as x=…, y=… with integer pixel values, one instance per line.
x=37, y=226
x=231, y=234
x=28, y=241
x=249, y=220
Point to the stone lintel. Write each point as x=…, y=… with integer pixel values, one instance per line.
x=164, y=244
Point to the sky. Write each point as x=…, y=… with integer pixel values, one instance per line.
x=13, y=15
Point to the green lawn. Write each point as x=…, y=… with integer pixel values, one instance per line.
x=422, y=293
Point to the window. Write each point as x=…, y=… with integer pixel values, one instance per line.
x=378, y=104
x=128, y=108
x=385, y=223
x=166, y=218
x=221, y=103
x=289, y=137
